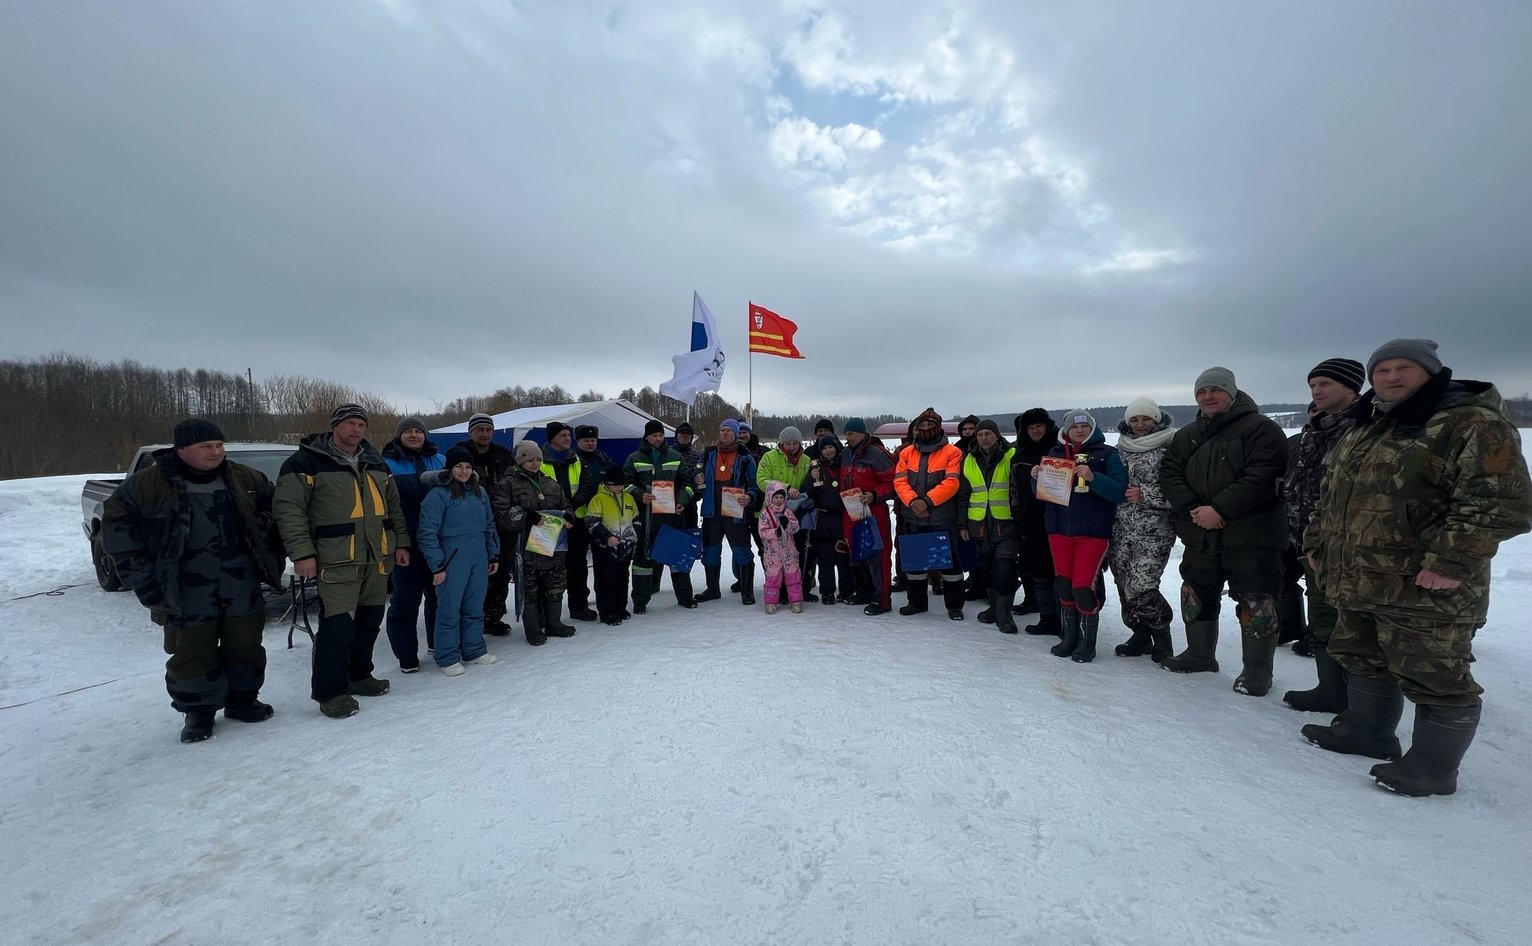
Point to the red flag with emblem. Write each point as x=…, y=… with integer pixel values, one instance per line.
x=770, y=334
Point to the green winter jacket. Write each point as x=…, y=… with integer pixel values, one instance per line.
x=774, y=466
x=1437, y=484
x=327, y=511
x=1232, y=462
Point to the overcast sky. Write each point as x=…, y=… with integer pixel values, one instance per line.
x=972, y=205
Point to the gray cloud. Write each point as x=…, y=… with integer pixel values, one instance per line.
x=427, y=202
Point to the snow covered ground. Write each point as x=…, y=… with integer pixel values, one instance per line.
x=720, y=777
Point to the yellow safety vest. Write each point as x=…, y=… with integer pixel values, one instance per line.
x=574, y=481
x=989, y=498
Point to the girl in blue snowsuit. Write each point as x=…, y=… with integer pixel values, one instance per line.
x=460, y=543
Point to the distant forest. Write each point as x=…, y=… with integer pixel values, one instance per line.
x=66, y=414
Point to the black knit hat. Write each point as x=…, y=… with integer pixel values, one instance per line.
x=828, y=440
x=458, y=454
x=553, y=428
x=614, y=476
x=823, y=423
x=1343, y=370
x=586, y=432
x=653, y=427
x=348, y=412
x=195, y=430
x=685, y=428
x=989, y=425
x=405, y=423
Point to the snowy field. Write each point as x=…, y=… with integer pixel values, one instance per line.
x=719, y=777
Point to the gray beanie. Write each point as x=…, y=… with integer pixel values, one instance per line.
x=527, y=450
x=1216, y=377
x=790, y=433
x=347, y=412
x=481, y=420
x=1422, y=351
x=405, y=423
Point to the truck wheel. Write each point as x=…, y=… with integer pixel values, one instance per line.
x=106, y=575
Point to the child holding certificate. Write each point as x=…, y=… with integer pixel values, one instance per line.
x=1080, y=533
x=532, y=507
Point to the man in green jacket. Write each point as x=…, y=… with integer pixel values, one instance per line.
x=1418, y=497
x=338, y=509
x=192, y=535
x=1220, y=476
x=787, y=464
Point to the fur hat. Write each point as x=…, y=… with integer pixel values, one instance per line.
x=1217, y=377
x=527, y=450
x=481, y=420
x=1142, y=407
x=194, y=430
x=586, y=432
x=348, y=412
x=406, y=423
x=653, y=427
x=554, y=427
x=1422, y=351
x=1343, y=370
x=458, y=454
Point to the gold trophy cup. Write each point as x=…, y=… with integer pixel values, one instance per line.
x=1080, y=485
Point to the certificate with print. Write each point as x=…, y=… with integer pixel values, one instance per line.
x=733, y=502
x=855, y=508
x=1055, y=480
x=664, y=497
x=543, y=538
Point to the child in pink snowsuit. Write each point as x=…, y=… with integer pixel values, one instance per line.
x=780, y=555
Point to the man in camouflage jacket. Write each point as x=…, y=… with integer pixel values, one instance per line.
x=338, y=508
x=1419, y=496
x=193, y=537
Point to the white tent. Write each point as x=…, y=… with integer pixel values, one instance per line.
x=621, y=422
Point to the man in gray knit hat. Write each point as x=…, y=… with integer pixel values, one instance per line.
x=1219, y=476
x=1401, y=542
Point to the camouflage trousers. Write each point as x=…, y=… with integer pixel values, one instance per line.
x=1254, y=577
x=1428, y=657
x=1138, y=559
x=214, y=664
x=1322, y=613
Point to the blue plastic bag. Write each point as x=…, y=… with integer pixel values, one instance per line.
x=866, y=540
x=677, y=549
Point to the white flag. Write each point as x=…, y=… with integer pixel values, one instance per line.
x=700, y=369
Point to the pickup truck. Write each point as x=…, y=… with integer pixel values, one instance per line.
x=266, y=457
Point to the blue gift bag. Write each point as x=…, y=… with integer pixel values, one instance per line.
x=866, y=540
x=925, y=552
x=678, y=549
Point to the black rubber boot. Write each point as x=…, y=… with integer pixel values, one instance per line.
x=917, y=598
x=1004, y=619
x=1368, y=726
x=532, y=622
x=553, y=626
x=1290, y=619
x=711, y=592
x=1259, y=654
x=682, y=583
x=952, y=597
x=1028, y=599
x=1069, y=621
x=1085, y=651
x=1161, y=647
x=747, y=584
x=1442, y=737
x=1330, y=695
x=198, y=725
x=1047, y=626
x=1135, y=646
x=1200, y=655
x=987, y=616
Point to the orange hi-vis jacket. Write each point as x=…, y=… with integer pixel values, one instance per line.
x=935, y=476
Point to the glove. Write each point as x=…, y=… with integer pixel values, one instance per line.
x=782, y=521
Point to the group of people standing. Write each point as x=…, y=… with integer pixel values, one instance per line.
x=1389, y=504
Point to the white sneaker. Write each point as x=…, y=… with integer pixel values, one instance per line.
x=414, y=669
x=482, y=659
x=455, y=670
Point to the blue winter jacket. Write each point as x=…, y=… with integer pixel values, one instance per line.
x=462, y=529
x=1092, y=513
x=407, y=466
x=743, y=476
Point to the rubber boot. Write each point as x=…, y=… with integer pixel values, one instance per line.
x=1200, y=655
x=1442, y=736
x=552, y=625
x=198, y=725
x=918, y=598
x=747, y=584
x=1004, y=619
x=1330, y=695
x=1161, y=646
x=952, y=597
x=1085, y=651
x=712, y=591
x=1047, y=626
x=1259, y=654
x=1368, y=726
x=987, y=616
x=1135, y=646
x=682, y=583
x=1028, y=599
x=1290, y=619
x=1069, y=622
x=532, y=622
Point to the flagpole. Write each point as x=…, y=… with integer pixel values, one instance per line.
x=749, y=372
